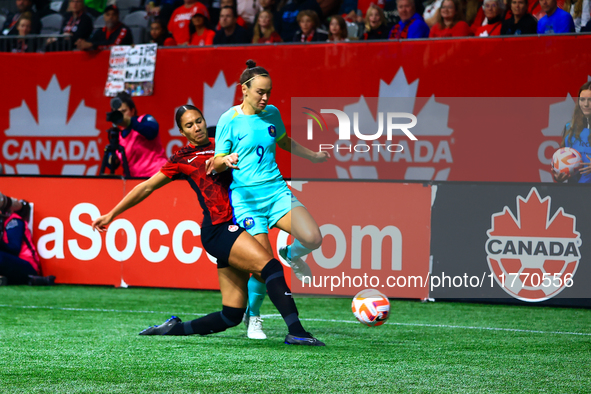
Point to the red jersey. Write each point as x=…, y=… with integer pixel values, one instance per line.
x=204, y=39
x=178, y=25
x=212, y=190
x=460, y=29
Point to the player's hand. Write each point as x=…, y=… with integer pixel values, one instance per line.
x=586, y=168
x=101, y=223
x=209, y=168
x=320, y=157
x=559, y=176
x=231, y=160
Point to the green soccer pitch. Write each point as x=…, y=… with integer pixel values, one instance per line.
x=81, y=339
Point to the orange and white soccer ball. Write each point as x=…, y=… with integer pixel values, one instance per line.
x=566, y=160
x=371, y=307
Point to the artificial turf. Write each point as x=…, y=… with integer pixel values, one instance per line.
x=80, y=339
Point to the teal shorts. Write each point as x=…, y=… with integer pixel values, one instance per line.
x=258, y=208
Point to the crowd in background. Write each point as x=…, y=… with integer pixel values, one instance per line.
x=97, y=24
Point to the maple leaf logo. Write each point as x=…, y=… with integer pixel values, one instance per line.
x=52, y=111
x=400, y=95
x=532, y=254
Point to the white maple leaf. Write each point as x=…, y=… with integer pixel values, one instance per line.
x=217, y=99
x=52, y=110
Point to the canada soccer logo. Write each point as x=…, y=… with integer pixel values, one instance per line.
x=533, y=257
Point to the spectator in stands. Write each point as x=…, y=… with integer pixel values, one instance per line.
x=450, y=21
x=286, y=24
x=521, y=22
x=160, y=35
x=178, y=25
x=114, y=33
x=337, y=29
x=76, y=24
x=239, y=20
x=162, y=9
x=22, y=6
x=19, y=260
x=264, y=30
x=556, y=20
x=580, y=10
x=376, y=27
x=231, y=32
x=247, y=11
x=493, y=13
x=576, y=135
x=308, y=32
x=23, y=27
x=268, y=5
x=330, y=7
x=200, y=34
x=411, y=25
x=139, y=137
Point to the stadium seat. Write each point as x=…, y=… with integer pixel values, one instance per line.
x=56, y=5
x=52, y=24
x=126, y=6
x=353, y=30
x=99, y=22
x=138, y=23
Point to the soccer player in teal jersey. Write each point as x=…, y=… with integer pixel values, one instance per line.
x=245, y=142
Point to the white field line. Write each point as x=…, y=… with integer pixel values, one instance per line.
x=277, y=316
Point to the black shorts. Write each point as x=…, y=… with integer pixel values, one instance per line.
x=218, y=240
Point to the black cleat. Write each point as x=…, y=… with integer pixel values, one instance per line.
x=308, y=340
x=162, y=329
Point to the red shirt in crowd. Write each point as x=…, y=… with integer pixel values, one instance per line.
x=274, y=37
x=460, y=29
x=203, y=39
x=178, y=25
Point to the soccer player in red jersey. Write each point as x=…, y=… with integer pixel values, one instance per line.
x=237, y=252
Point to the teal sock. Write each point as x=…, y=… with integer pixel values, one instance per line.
x=297, y=250
x=256, y=295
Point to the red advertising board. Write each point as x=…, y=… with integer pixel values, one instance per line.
x=158, y=244
x=375, y=235
x=52, y=121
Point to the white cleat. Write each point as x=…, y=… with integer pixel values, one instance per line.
x=299, y=267
x=255, y=328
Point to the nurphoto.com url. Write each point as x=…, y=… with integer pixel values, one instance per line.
x=436, y=281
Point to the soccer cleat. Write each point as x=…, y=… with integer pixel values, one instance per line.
x=163, y=328
x=306, y=341
x=299, y=267
x=255, y=328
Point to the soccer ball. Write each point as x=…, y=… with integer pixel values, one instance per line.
x=371, y=307
x=566, y=160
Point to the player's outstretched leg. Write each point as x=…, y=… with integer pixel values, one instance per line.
x=214, y=322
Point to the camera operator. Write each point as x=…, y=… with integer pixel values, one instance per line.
x=140, y=139
x=19, y=261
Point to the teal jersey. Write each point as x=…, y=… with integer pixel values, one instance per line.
x=253, y=138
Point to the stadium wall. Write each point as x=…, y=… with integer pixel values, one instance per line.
x=52, y=114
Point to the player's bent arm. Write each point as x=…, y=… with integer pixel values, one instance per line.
x=288, y=144
x=134, y=197
x=223, y=161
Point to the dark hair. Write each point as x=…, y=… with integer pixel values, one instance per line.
x=192, y=29
x=234, y=12
x=342, y=25
x=251, y=71
x=578, y=121
x=310, y=14
x=181, y=111
x=165, y=34
x=126, y=99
